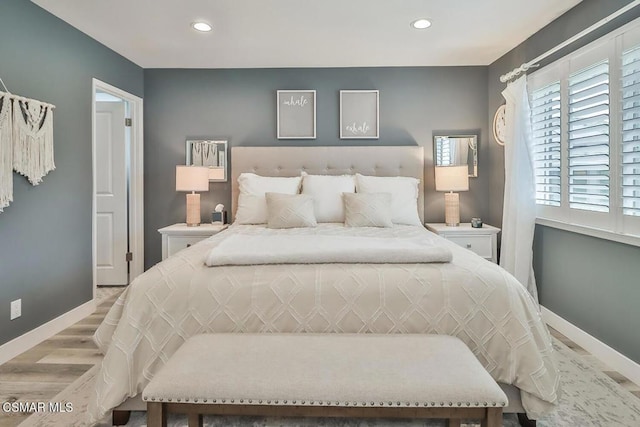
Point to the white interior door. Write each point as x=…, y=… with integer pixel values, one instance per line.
x=111, y=194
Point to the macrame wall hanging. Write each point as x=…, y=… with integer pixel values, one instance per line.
x=6, y=152
x=26, y=142
x=32, y=139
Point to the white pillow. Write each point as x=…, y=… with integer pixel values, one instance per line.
x=326, y=191
x=290, y=211
x=367, y=210
x=252, y=206
x=404, y=195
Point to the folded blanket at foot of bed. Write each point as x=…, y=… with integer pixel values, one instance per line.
x=242, y=249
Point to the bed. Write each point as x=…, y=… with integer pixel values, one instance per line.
x=468, y=297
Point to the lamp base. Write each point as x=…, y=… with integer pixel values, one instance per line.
x=193, y=210
x=452, y=209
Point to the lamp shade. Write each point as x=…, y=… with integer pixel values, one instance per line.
x=452, y=178
x=192, y=178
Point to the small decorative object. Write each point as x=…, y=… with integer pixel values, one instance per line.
x=359, y=114
x=499, y=125
x=452, y=178
x=476, y=222
x=219, y=215
x=296, y=114
x=192, y=178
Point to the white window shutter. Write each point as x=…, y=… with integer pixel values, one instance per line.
x=630, y=94
x=588, y=138
x=545, y=122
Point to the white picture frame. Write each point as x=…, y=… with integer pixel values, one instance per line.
x=359, y=114
x=296, y=114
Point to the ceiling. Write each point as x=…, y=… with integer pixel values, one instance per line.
x=305, y=33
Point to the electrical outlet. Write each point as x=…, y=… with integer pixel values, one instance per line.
x=16, y=309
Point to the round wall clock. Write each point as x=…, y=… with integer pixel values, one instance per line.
x=499, y=125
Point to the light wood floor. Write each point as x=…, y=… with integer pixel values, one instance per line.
x=48, y=368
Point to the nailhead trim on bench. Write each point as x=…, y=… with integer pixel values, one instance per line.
x=320, y=403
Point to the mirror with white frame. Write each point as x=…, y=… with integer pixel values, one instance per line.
x=456, y=150
x=210, y=153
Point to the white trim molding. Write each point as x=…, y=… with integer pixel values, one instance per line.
x=627, y=239
x=136, y=188
x=35, y=336
x=609, y=356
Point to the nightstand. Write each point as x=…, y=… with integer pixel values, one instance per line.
x=483, y=241
x=177, y=237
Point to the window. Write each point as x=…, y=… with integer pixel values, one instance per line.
x=443, y=152
x=545, y=120
x=588, y=137
x=585, y=118
x=631, y=132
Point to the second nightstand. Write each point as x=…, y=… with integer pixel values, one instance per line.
x=483, y=241
x=177, y=237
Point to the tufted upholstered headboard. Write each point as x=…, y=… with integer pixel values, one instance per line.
x=291, y=161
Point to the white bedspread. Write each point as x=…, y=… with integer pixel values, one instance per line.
x=469, y=297
x=243, y=249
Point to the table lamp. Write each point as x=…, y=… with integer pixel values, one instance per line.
x=452, y=178
x=192, y=178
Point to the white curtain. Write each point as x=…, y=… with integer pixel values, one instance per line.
x=461, y=155
x=519, y=212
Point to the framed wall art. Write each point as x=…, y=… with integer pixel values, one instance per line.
x=359, y=114
x=296, y=114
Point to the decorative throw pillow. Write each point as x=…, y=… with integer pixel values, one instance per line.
x=252, y=205
x=290, y=211
x=367, y=210
x=326, y=191
x=404, y=195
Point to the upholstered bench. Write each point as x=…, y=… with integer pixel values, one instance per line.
x=325, y=375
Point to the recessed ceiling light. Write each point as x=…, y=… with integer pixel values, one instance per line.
x=201, y=26
x=421, y=24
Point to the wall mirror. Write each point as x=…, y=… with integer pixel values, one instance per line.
x=210, y=153
x=456, y=150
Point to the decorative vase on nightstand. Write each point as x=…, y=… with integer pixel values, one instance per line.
x=219, y=217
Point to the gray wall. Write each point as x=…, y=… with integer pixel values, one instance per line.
x=593, y=283
x=581, y=278
x=45, y=234
x=240, y=105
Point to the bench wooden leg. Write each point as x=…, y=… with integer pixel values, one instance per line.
x=195, y=420
x=525, y=421
x=493, y=419
x=120, y=418
x=156, y=415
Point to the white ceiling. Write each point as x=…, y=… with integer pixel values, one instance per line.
x=305, y=33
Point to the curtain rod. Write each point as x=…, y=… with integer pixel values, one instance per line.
x=534, y=62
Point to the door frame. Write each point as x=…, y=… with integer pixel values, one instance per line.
x=136, y=180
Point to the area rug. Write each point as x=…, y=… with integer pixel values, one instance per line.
x=589, y=399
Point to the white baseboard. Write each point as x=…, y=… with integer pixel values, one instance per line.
x=602, y=351
x=34, y=337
